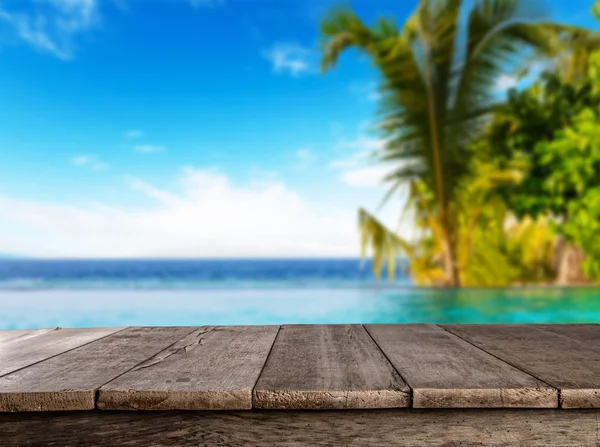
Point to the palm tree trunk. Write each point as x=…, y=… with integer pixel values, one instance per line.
x=454, y=271
x=450, y=260
x=568, y=264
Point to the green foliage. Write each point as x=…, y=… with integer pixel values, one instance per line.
x=436, y=88
x=520, y=132
x=496, y=249
x=553, y=129
x=574, y=155
x=487, y=209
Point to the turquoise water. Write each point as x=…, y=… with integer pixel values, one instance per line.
x=93, y=308
x=87, y=293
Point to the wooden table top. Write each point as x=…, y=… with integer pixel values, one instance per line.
x=298, y=367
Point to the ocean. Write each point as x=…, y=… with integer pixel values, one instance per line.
x=149, y=274
x=95, y=293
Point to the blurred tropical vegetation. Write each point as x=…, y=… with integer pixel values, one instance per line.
x=503, y=189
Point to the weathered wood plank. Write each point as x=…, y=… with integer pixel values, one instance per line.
x=211, y=369
x=570, y=365
x=21, y=334
x=69, y=381
x=587, y=333
x=371, y=428
x=328, y=367
x=19, y=353
x=444, y=371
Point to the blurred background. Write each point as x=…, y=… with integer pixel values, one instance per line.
x=261, y=161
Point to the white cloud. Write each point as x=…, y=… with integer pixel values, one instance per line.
x=364, y=148
x=134, y=133
x=261, y=177
x=81, y=160
x=74, y=14
x=148, y=148
x=291, y=58
x=506, y=82
x=365, y=177
x=91, y=161
x=355, y=168
x=362, y=143
x=51, y=25
x=351, y=161
x=206, y=216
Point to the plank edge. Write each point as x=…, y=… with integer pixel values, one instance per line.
x=66, y=400
x=485, y=398
x=330, y=399
x=199, y=400
x=579, y=398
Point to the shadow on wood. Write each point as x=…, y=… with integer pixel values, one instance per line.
x=400, y=427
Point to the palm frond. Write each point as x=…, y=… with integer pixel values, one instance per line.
x=385, y=245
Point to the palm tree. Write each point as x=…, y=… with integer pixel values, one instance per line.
x=438, y=83
x=493, y=249
x=577, y=46
x=572, y=49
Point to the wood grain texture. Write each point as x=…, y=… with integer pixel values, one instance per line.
x=69, y=381
x=587, y=333
x=570, y=365
x=21, y=352
x=21, y=334
x=371, y=428
x=328, y=367
x=211, y=369
x=444, y=371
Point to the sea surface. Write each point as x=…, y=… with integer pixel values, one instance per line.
x=92, y=293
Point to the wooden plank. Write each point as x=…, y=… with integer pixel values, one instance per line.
x=588, y=333
x=358, y=428
x=211, y=369
x=21, y=334
x=69, y=381
x=563, y=362
x=328, y=367
x=22, y=352
x=444, y=371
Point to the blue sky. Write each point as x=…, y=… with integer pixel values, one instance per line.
x=186, y=128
